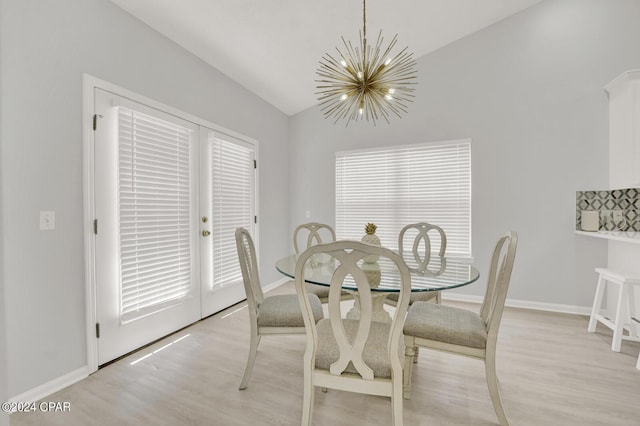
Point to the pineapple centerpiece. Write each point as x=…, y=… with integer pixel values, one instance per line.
x=371, y=238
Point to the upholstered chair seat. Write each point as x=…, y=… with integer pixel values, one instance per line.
x=446, y=324
x=375, y=350
x=283, y=310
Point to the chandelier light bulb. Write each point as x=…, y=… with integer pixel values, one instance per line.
x=355, y=84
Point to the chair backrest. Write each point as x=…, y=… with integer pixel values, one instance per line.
x=498, y=283
x=314, y=233
x=348, y=257
x=421, y=238
x=249, y=268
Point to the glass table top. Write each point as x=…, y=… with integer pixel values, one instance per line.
x=440, y=273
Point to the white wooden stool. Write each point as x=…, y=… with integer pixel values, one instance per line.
x=625, y=306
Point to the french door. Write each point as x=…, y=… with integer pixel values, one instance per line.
x=168, y=196
x=227, y=202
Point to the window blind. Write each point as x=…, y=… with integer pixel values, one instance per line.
x=154, y=213
x=393, y=187
x=233, y=183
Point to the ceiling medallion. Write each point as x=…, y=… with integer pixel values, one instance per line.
x=366, y=82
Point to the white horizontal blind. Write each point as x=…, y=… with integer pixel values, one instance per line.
x=233, y=187
x=154, y=213
x=393, y=187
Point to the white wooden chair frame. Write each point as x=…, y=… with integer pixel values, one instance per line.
x=314, y=237
x=255, y=297
x=490, y=312
x=315, y=231
x=347, y=254
x=422, y=258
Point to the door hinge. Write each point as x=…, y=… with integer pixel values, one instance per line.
x=95, y=121
x=97, y=330
x=255, y=164
x=95, y=226
x=255, y=219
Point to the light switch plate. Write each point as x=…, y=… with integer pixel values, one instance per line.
x=47, y=220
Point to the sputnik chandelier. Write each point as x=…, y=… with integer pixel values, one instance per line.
x=366, y=82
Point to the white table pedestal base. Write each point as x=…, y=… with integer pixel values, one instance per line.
x=378, y=312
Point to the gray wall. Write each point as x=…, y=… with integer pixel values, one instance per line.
x=46, y=46
x=529, y=93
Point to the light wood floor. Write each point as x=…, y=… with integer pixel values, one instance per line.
x=552, y=372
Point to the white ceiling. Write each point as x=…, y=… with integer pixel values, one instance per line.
x=272, y=47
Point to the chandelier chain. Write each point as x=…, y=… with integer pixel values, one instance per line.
x=364, y=20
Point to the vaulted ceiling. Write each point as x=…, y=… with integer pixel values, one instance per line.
x=272, y=47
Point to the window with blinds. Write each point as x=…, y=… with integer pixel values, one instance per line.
x=232, y=195
x=154, y=213
x=393, y=187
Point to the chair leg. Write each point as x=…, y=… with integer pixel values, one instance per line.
x=253, y=350
x=634, y=330
x=494, y=389
x=409, y=355
x=618, y=322
x=597, y=303
x=396, y=402
x=308, y=393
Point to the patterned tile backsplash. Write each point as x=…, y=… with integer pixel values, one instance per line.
x=608, y=203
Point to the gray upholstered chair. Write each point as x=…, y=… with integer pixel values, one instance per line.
x=462, y=332
x=357, y=355
x=310, y=234
x=278, y=314
x=419, y=256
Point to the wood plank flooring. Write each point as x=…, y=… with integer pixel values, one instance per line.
x=552, y=372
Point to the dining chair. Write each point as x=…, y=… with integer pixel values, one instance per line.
x=355, y=355
x=419, y=256
x=463, y=332
x=311, y=234
x=277, y=314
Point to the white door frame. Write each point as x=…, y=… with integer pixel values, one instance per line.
x=89, y=83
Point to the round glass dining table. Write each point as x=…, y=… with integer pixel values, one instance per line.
x=439, y=274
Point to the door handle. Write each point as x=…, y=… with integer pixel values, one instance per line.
x=206, y=233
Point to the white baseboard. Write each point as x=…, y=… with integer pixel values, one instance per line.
x=276, y=284
x=46, y=389
x=525, y=304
